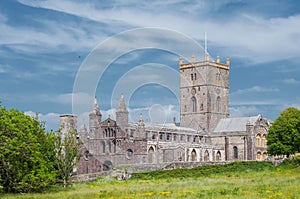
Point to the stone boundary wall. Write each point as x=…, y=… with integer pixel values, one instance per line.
x=118, y=171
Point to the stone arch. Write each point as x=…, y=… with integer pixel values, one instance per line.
x=258, y=156
x=265, y=155
x=151, y=155
x=194, y=155
x=264, y=141
x=235, y=152
x=206, y=156
x=218, y=156
x=107, y=165
x=258, y=140
x=194, y=104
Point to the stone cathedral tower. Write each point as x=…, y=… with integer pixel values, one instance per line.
x=204, y=93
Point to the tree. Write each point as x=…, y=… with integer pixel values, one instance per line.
x=26, y=153
x=284, y=135
x=67, y=148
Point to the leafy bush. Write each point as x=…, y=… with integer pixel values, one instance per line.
x=26, y=153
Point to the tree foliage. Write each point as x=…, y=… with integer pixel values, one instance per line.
x=26, y=153
x=67, y=148
x=284, y=134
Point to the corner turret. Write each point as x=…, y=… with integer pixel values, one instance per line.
x=95, y=119
x=122, y=114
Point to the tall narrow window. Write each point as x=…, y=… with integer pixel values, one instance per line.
x=192, y=77
x=103, y=146
x=218, y=156
x=218, y=104
x=194, y=155
x=194, y=104
x=235, y=152
x=109, y=146
x=195, y=76
x=206, y=156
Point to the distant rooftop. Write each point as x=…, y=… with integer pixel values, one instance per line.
x=235, y=124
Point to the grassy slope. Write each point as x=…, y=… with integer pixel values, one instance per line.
x=236, y=180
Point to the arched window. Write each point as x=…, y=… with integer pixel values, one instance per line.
x=265, y=155
x=194, y=104
x=218, y=156
x=218, y=104
x=206, y=156
x=103, y=146
x=257, y=140
x=151, y=155
x=194, y=155
x=129, y=153
x=258, y=156
x=263, y=141
x=235, y=152
x=109, y=146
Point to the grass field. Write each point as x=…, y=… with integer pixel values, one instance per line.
x=236, y=180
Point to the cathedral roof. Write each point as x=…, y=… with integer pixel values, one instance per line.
x=235, y=124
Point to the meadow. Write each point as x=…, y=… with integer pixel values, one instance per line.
x=235, y=180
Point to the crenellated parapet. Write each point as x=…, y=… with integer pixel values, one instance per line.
x=206, y=62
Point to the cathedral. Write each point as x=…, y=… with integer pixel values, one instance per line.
x=206, y=133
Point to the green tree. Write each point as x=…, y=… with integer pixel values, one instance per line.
x=26, y=153
x=68, y=154
x=284, y=134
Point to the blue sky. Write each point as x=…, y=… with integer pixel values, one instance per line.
x=43, y=43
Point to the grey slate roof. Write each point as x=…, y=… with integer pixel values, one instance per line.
x=234, y=124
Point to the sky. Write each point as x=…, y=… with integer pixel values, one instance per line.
x=132, y=48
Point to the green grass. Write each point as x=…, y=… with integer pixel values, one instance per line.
x=235, y=180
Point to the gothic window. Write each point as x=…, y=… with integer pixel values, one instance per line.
x=265, y=155
x=206, y=156
x=151, y=155
x=263, y=141
x=160, y=136
x=192, y=77
x=218, y=104
x=257, y=140
x=258, y=156
x=194, y=155
x=218, y=156
x=109, y=146
x=195, y=76
x=86, y=155
x=153, y=136
x=168, y=136
x=129, y=153
x=235, y=152
x=201, y=107
x=103, y=146
x=194, y=104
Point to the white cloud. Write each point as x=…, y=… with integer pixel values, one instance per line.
x=291, y=81
x=51, y=120
x=244, y=111
x=255, y=89
x=244, y=35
